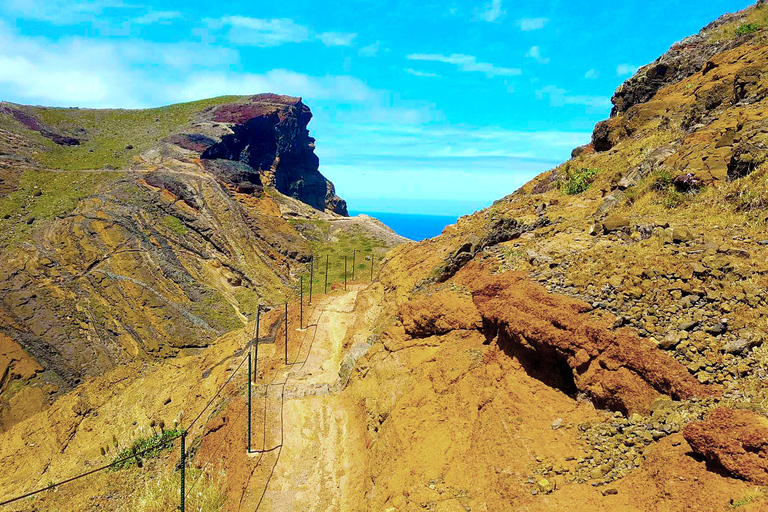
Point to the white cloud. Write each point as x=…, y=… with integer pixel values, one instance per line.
x=467, y=63
x=528, y=24
x=262, y=32
x=535, y=53
x=61, y=12
x=492, y=11
x=559, y=97
x=626, y=69
x=591, y=74
x=337, y=87
x=157, y=17
x=416, y=72
x=369, y=51
x=337, y=38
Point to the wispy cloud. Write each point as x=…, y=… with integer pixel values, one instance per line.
x=264, y=32
x=492, y=11
x=560, y=97
x=369, y=51
x=247, y=31
x=591, y=74
x=416, y=72
x=626, y=69
x=467, y=63
x=535, y=53
x=338, y=87
x=337, y=38
x=157, y=17
x=528, y=24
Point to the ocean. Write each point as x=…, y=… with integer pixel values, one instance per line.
x=415, y=227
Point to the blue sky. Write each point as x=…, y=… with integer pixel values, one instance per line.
x=420, y=107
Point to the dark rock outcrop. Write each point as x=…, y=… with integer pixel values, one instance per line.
x=682, y=60
x=269, y=133
x=31, y=122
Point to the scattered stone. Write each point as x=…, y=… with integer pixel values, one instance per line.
x=736, y=346
x=615, y=223
x=557, y=424
x=680, y=235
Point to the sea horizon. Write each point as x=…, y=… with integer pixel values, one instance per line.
x=414, y=226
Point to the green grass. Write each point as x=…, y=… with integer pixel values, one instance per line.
x=44, y=195
x=154, y=446
x=175, y=224
x=337, y=245
x=578, y=181
x=756, y=495
x=217, y=312
x=162, y=493
x=107, y=134
x=755, y=20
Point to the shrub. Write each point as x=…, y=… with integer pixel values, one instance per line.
x=578, y=181
x=747, y=28
x=154, y=446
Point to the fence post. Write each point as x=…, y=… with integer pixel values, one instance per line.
x=286, y=333
x=301, y=303
x=256, y=342
x=326, y=274
x=311, y=277
x=354, y=253
x=371, y=266
x=249, y=402
x=345, y=273
x=183, y=464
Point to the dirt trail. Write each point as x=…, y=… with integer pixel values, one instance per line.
x=312, y=434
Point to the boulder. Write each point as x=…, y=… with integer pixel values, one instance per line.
x=615, y=223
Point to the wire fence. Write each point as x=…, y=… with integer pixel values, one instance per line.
x=251, y=349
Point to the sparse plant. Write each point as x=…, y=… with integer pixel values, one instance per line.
x=578, y=181
x=145, y=448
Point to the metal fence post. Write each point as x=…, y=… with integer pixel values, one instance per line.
x=311, y=277
x=250, y=370
x=345, y=273
x=183, y=464
x=256, y=342
x=354, y=253
x=371, y=267
x=326, y=274
x=286, y=333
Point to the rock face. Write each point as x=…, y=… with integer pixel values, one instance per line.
x=269, y=133
x=736, y=440
x=682, y=60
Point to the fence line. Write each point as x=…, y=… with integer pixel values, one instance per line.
x=184, y=432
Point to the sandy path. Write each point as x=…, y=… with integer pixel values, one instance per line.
x=312, y=464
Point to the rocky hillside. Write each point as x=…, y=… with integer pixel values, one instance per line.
x=129, y=235
x=564, y=349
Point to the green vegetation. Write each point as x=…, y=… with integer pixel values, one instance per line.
x=175, y=224
x=578, y=181
x=110, y=139
x=747, y=28
x=145, y=448
x=216, y=311
x=43, y=195
x=336, y=245
x=755, y=20
x=752, y=497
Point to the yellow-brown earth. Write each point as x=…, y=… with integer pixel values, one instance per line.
x=555, y=351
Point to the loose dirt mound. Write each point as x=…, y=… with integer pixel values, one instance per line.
x=737, y=440
x=619, y=370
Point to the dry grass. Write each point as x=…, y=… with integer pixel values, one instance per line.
x=162, y=493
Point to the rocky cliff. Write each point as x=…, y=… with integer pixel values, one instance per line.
x=133, y=235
